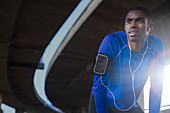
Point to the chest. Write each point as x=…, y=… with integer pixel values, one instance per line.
x=125, y=63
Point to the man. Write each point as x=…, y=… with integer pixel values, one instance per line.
x=123, y=64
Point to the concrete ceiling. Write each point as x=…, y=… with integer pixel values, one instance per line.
x=27, y=26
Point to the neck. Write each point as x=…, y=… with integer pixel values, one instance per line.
x=136, y=46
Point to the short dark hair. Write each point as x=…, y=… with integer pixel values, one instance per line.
x=144, y=10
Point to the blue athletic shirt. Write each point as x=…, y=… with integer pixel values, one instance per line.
x=117, y=81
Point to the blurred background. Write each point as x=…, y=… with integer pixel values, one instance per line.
x=48, y=47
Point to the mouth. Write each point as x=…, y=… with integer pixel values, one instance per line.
x=133, y=33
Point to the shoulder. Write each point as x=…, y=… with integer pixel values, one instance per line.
x=154, y=40
x=112, y=44
x=117, y=37
x=155, y=44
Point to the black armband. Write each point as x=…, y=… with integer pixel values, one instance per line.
x=101, y=64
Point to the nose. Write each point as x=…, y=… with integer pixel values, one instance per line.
x=133, y=24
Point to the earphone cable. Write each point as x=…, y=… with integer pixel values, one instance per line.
x=132, y=74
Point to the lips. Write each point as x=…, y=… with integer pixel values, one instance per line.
x=133, y=32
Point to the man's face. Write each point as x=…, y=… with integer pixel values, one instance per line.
x=136, y=26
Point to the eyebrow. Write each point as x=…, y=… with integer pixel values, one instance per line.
x=128, y=18
x=142, y=18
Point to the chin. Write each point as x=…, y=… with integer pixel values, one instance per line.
x=133, y=39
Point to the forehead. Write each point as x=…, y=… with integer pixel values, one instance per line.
x=135, y=13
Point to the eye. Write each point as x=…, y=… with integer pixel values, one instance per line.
x=128, y=20
x=142, y=20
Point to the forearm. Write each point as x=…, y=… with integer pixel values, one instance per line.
x=100, y=95
x=154, y=101
x=101, y=103
x=156, y=77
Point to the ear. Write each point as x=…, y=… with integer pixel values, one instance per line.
x=150, y=27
